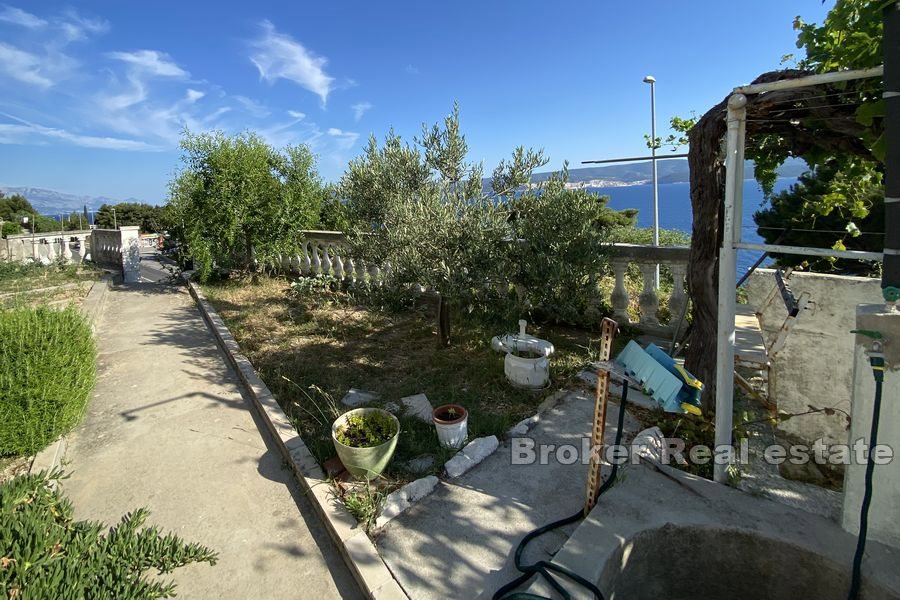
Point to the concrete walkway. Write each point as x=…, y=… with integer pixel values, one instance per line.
x=168, y=429
x=458, y=541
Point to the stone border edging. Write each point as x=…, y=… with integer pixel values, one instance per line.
x=52, y=456
x=358, y=551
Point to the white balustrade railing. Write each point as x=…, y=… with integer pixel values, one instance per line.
x=647, y=258
x=327, y=253
x=71, y=247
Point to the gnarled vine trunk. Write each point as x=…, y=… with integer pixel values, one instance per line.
x=705, y=160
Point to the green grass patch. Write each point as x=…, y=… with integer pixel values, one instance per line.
x=20, y=277
x=311, y=348
x=47, y=370
x=46, y=553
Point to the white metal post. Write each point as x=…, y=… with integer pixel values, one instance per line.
x=652, y=81
x=734, y=187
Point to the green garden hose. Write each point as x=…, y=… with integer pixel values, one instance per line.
x=546, y=568
x=876, y=360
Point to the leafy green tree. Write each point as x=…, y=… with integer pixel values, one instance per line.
x=849, y=38
x=145, y=216
x=237, y=197
x=561, y=246
x=334, y=214
x=423, y=211
x=10, y=228
x=812, y=214
x=12, y=208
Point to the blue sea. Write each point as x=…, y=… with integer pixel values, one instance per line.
x=675, y=209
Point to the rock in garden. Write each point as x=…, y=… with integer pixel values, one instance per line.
x=400, y=500
x=474, y=452
x=392, y=407
x=356, y=398
x=418, y=406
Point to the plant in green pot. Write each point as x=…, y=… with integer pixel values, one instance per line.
x=365, y=440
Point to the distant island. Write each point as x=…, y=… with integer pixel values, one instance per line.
x=50, y=202
x=673, y=170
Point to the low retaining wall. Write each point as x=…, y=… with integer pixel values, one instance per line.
x=815, y=367
x=118, y=249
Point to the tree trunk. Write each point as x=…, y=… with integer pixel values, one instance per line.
x=443, y=318
x=705, y=159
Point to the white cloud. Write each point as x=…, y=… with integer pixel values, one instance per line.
x=151, y=63
x=77, y=27
x=193, y=96
x=296, y=114
x=26, y=132
x=344, y=139
x=23, y=66
x=255, y=108
x=17, y=16
x=359, y=109
x=279, y=56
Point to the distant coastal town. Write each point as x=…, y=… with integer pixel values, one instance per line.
x=594, y=183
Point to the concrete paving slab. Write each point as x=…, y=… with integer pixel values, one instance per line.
x=418, y=406
x=168, y=429
x=458, y=541
x=356, y=398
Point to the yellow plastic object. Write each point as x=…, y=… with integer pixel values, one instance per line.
x=688, y=378
x=694, y=410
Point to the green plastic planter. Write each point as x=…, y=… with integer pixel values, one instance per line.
x=364, y=463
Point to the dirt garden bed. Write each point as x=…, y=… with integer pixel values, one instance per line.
x=312, y=348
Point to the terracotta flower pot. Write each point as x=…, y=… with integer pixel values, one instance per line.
x=452, y=424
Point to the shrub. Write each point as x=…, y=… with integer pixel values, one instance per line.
x=47, y=370
x=367, y=431
x=45, y=553
x=560, y=248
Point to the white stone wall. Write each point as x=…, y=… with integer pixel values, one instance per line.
x=815, y=367
x=884, y=512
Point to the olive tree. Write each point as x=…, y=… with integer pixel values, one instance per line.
x=422, y=210
x=240, y=200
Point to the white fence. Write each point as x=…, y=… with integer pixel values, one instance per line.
x=326, y=252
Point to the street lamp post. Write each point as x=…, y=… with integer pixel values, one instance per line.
x=115, y=223
x=652, y=81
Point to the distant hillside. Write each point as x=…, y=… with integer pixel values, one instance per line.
x=50, y=202
x=669, y=171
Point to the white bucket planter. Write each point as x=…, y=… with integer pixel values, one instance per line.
x=452, y=424
x=528, y=370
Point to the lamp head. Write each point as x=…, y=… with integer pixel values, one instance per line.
x=649, y=79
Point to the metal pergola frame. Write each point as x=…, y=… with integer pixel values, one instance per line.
x=732, y=241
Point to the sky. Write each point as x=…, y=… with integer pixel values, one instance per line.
x=95, y=96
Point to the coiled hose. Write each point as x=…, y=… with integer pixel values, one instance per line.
x=546, y=569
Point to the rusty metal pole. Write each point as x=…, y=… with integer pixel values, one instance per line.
x=607, y=332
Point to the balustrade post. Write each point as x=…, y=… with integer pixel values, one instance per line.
x=648, y=300
x=350, y=270
x=619, y=297
x=315, y=264
x=678, y=299
x=338, y=263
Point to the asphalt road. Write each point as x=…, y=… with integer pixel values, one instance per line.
x=155, y=267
